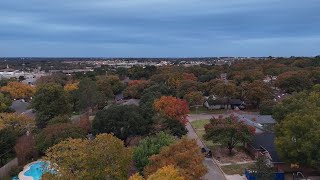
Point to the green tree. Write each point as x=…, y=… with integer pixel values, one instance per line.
x=150, y=146
x=104, y=86
x=266, y=107
x=49, y=101
x=293, y=81
x=171, y=126
x=105, y=157
x=290, y=104
x=5, y=103
x=59, y=119
x=228, y=131
x=89, y=96
x=53, y=134
x=298, y=137
x=194, y=98
x=8, y=138
x=123, y=121
x=116, y=85
x=262, y=170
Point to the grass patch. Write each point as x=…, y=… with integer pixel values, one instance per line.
x=202, y=109
x=199, y=127
x=199, y=124
x=235, y=169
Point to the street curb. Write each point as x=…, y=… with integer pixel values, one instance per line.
x=212, y=159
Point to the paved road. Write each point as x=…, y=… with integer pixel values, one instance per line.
x=214, y=172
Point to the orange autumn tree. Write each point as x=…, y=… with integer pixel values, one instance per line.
x=172, y=107
x=185, y=155
x=166, y=172
x=18, y=90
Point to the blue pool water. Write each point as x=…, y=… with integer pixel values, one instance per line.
x=36, y=170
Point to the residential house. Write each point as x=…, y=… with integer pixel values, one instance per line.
x=223, y=103
x=263, y=144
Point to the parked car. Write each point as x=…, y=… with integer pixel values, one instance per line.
x=207, y=152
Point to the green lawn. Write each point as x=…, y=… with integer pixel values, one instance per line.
x=199, y=124
x=234, y=169
x=202, y=109
x=199, y=127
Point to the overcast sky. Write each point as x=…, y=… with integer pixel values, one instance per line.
x=159, y=28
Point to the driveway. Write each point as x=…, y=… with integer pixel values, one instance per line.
x=214, y=172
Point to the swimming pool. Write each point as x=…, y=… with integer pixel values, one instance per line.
x=34, y=171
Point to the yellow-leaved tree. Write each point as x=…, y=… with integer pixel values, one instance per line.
x=105, y=157
x=71, y=86
x=20, y=123
x=18, y=90
x=165, y=173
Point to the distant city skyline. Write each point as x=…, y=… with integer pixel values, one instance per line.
x=159, y=28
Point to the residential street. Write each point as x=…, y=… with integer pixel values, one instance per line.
x=214, y=172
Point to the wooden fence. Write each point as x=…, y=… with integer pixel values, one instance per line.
x=4, y=170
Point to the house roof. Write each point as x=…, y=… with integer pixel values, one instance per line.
x=236, y=101
x=132, y=102
x=265, y=141
x=217, y=101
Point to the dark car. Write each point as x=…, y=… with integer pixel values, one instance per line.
x=207, y=152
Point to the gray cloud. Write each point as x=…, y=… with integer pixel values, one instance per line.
x=159, y=27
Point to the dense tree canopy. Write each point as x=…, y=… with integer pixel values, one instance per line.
x=290, y=104
x=53, y=134
x=150, y=146
x=123, y=121
x=185, y=155
x=297, y=135
x=166, y=173
x=105, y=157
x=116, y=85
x=172, y=108
x=135, y=88
x=256, y=92
x=5, y=103
x=8, y=139
x=20, y=123
x=49, y=101
x=18, y=90
x=293, y=81
x=89, y=96
x=104, y=87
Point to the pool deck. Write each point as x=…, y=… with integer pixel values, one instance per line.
x=25, y=169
